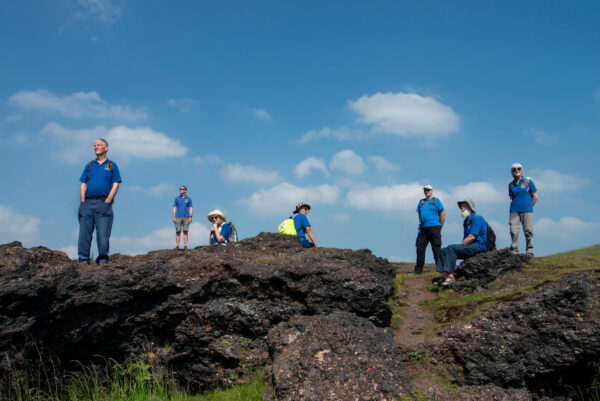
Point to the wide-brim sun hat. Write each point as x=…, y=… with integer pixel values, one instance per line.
x=214, y=213
x=300, y=206
x=469, y=202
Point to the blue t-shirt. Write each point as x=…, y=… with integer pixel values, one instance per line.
x=429, y=212
x=476, y=225
x=225, y=230
x=300, y=223
x=100, y=178
x=520, y=195
x=182, y=205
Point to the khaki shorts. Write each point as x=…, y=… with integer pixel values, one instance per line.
x=182, y=222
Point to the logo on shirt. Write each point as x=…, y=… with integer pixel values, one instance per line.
x=522, y=185
x=186, y=201
x=107, y=167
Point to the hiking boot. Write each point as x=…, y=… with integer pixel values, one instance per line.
x=418, y=270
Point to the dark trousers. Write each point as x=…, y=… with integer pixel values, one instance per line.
x=428, y=235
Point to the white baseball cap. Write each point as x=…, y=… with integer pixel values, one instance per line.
x=427, y=187
x=516, y=165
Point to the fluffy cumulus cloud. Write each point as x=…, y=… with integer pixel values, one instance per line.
x=312, y=163
x=347, y=161
x=406, y=115
x=162, y=238
x=383, y=164
x=554, y=181
x=18, y=226
x=207, y=160
x=156, y=190
x=261, y=114
x=480, y=192
x=73, y=146
x=401, y=197
x=342, y=133
x=77, y=105
x=283, y=197
x=248, y=173
x=569, y=229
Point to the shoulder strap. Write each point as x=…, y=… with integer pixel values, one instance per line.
x=87, y=171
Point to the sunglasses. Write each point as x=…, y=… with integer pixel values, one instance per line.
x=516, y=169
x=427, y=190
x=182, y=189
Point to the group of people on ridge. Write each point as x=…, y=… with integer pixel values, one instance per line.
x=101, y=178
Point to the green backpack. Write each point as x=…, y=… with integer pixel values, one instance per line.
x=287, y=227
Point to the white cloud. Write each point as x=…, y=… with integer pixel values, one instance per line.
x=18, y=226
x=184, y=105
x=480, y=192
x=74, y=146
x=406, y=115
x=156, y=190
x=541, y=136
x=305, y=166
x=163, y=238
x=342, y=133
x=105, y=11
x=77, y=105
x=70, y=250
x=12, y=118
x=568, y=228
x=248, y=173
x=210, y=160
x=261, y=114
x=553, y=181
x=383, y=164
x=401, y=197
x=347, y=161
x=283, y=197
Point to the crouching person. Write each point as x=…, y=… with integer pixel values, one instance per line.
x=220, y=231
x=302, y=226
x=474, y=242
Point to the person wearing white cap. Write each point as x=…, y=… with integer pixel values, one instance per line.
x=474, y=241
x=523, y=197
x=220, y=231
x=431, y=220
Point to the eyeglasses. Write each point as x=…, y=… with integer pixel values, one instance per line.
x=516, y=169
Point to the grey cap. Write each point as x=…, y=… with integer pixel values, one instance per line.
x=427, y=187
x=469, y=202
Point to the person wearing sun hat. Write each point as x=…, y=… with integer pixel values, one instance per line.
x=431, y=220
x=303, y=227
x=523, y=197
x=220, y=230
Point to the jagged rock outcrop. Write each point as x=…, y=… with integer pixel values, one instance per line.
x=336, y=357
x=532, y=342
x=205, y=312
x=483, y=268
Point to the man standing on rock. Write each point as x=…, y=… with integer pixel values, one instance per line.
x=99, y=185
x=182, y=216
x=474, y=242
x=431, y=220
x=523, y=197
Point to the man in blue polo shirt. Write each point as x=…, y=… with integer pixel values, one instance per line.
x=523, y=196
x=474, y=240
x=183, y=211
x=431, y=220
x=99, y=185
x=302, y=226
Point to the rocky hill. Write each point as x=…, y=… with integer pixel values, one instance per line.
x=317, y=320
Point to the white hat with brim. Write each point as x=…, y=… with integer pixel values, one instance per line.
x=216, y=213
x=469, y=202
x=427, y=187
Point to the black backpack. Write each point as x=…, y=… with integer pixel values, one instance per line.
x=490, y=245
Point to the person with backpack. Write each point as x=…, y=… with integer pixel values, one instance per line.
x=431, y=220
x=301, y=226
x=523, y=197
x=220, y=230
x=99, y=184
x=183, y=211
x=475, y=240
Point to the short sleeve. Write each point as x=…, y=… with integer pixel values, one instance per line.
x=82, y=179
x=477, y=224
x=190, y=203
x=439, y=205
x=175, y=202
x=225, y=231
x=116, y=176
x=532, y=187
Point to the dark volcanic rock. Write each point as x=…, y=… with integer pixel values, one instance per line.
x=203, y=311
x=336, y=357
x=532, y=342
x=486, y=267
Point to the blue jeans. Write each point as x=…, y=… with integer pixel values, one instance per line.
x=448, y=255
x=305, y=243
x=94, y=213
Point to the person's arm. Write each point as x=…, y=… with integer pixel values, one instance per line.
x=534, y=197
x=442, y=218
x=174, y=211
x=191, y=214
x=82, y=191
x=469, y=239
x=310, y=234
x=113, y=192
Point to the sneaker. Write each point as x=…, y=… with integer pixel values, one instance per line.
x=185, y=248
x=176, y=248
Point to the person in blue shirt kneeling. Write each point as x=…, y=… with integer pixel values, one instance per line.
x=474, y=240
x=302, y=226
x=220, y=231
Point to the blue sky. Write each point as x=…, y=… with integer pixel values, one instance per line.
x=351, y=106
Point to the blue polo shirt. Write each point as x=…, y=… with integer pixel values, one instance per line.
x=300, y=223
x=429, y=212
x=476, y=225
x=100, y=178
x=520, y=195
x=182, y=205
x=225, y=231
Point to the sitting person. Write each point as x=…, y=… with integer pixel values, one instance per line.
x=474, y=240
x=219, y=232
x=302, y=226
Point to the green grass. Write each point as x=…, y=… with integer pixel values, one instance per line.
x=397, y=302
